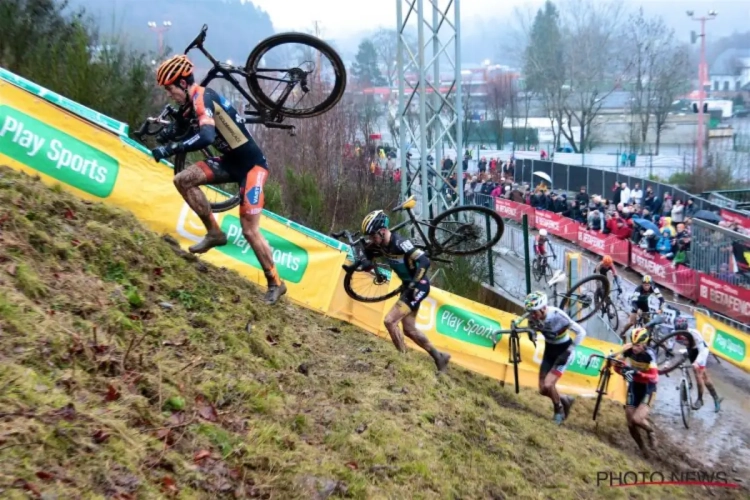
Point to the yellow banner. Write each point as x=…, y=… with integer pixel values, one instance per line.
x=38, y=138
x=724, y=341
x=41, y=139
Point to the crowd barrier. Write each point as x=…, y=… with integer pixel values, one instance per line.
x=725, y=298
x=91, y=159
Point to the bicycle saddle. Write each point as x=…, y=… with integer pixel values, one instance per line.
x=558, y=277
x=410, y=203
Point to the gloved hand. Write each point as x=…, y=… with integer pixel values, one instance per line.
x=167, y=134
x=163, y=152
x=628, y=373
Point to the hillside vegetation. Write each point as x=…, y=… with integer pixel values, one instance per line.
x=130, y=369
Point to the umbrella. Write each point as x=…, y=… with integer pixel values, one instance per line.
x=646, y=224
x=707, y=216
x=544, y=176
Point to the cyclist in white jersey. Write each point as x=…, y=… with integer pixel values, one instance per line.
x=554, y=323
x=698, y=357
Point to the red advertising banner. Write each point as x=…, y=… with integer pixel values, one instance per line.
x=719, y=296
x=601, y=244
x=514, y=211
x=556, y=224
x=680, y=279
x=732, y=216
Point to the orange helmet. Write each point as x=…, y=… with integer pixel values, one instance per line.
x=607, y=260
x=172, y=69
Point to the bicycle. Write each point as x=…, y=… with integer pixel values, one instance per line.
x=268, y=110
x=541, y=268
x=580, y=296
x=605, y=372
x=608, y=309
x=686, y=392
x=514, y=344
x=458, y=223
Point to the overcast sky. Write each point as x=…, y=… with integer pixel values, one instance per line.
x=344, y=18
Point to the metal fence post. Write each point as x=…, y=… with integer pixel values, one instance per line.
x=489, y=254
x=526, y=252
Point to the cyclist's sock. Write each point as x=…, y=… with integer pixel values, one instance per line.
x=272, y=276
x=712, y=390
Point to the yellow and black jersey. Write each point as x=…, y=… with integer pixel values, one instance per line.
x=409, y=262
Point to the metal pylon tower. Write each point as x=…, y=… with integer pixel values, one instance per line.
x=430, y=112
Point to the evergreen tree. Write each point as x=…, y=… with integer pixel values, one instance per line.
x=365, y=69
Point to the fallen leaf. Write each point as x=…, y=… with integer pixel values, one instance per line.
x=112, y=393
x=67, y=412
x=208, y=412
x=75, y=242
x=352, y=465
x=200, y=455
x=296, y=344
x=25, y=485
x=165, y=435
x=169, y=485
x=271, y=340
x=69, y=214
x=44, y=475
x=158, y=271
x=100, y=436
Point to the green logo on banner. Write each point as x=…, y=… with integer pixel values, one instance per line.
x=463, y=325
x=55, y=153
x=729, y=345
x=291, y=260
x=581, y=357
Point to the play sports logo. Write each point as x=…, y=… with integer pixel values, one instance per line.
x=291, y=259
x=52, y=152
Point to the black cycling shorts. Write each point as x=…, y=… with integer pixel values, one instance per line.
x=413, y=297
x=556, y=358
x=640, y=393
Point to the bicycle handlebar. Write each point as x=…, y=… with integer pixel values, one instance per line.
x=609, y=359
x=168, y=111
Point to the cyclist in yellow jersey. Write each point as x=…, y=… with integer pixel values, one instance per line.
x=642, y=375
x=410, y=264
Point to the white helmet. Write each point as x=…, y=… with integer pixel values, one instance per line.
x=535, y=301
x=542, y=232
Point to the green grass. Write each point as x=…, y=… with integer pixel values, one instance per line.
x=126, y=368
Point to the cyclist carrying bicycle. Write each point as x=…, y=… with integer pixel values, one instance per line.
x=540, y=247
x=639, y=301
x=642, y=375
x=554, y=324
x=411, y=265
x=605, y=267
x=698, y=357
x=242, y=161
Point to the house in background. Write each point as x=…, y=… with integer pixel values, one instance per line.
x=730, y=72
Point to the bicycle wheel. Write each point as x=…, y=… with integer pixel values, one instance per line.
x=581, y=301
x=377, y=281
x=667, y=359
x=536, y=271
x=601, y=390
x=514, y=356
x=466, y=225
x=612, y=314
x=221, y=197
x=685, y=404
x=261, y=80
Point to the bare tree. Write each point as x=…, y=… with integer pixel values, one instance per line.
x=670, y=81
x=386, y=46
x=593, y=63
x=500, y=103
